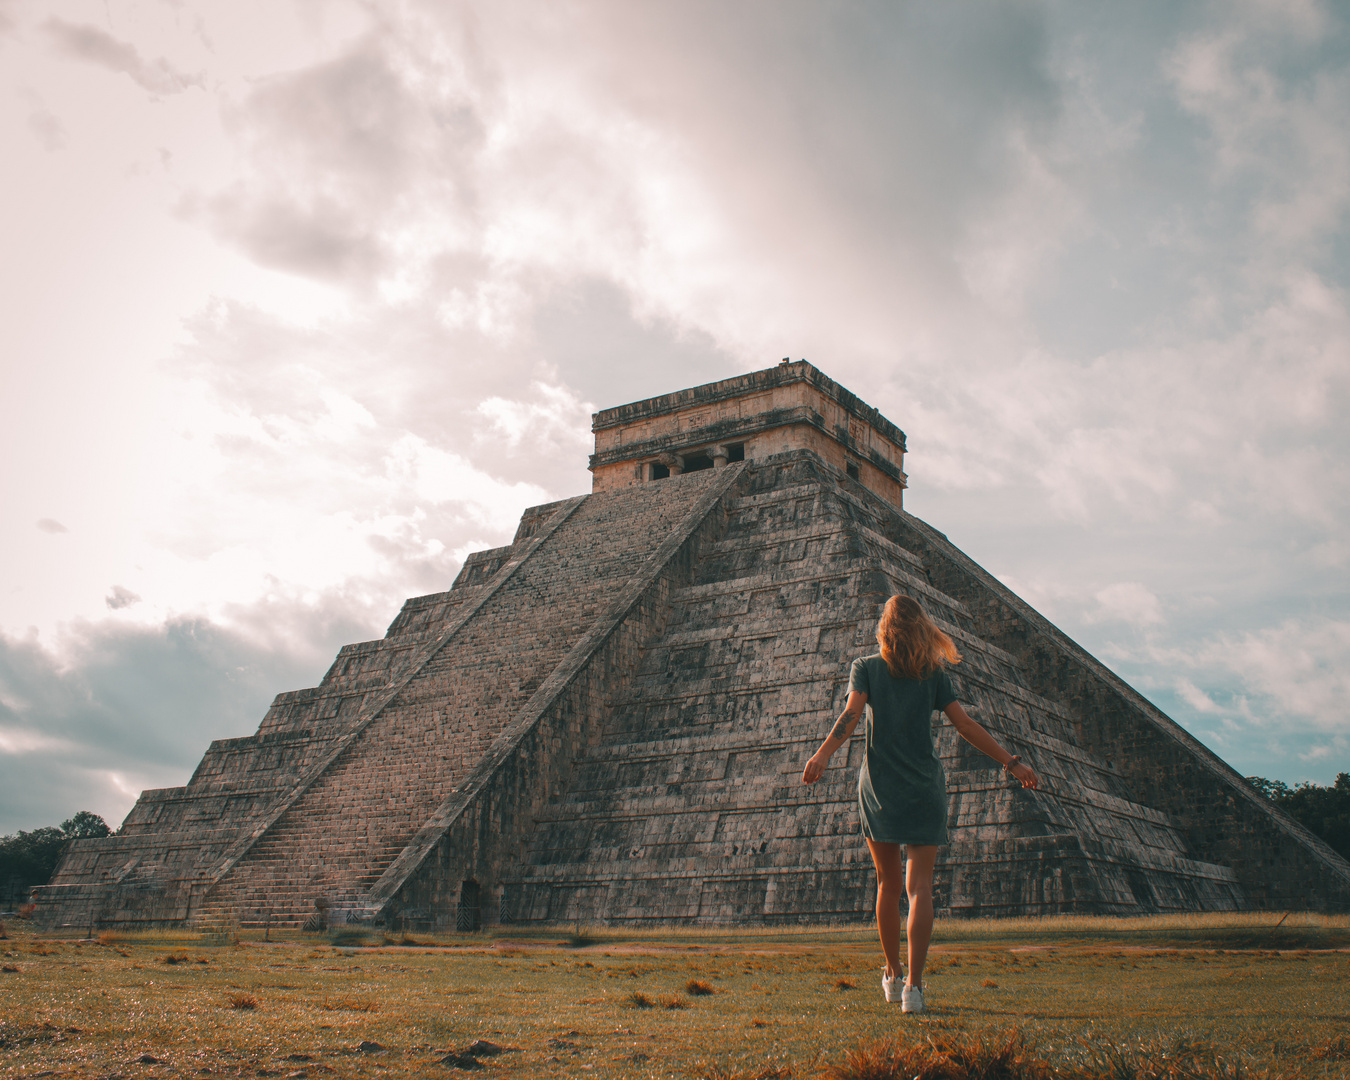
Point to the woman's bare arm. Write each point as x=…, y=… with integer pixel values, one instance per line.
x=839, y=734
x=971, y=730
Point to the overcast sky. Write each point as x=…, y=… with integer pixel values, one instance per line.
x=301, y=301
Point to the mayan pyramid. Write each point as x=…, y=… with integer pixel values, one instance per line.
x=606, y=721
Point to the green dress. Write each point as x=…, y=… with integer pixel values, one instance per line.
x=902, y=790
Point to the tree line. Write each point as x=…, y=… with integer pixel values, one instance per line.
x=1323, y=811
x=28, y=858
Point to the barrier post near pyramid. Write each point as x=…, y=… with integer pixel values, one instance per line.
x=606, y=720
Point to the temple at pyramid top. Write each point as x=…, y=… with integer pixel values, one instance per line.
x=793, y=406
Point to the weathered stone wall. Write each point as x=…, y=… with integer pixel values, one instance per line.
x=481, y=832
x=1275, y=861
x=783, y=408
x=689, y=807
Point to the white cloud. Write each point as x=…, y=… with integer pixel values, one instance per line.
x=120, y=597
x=97, y=46
x=1336, y=751
x=16, y=741
x=1196, y=698
x=1301, y=667
x=439, y=477
x=1280, y=131
x=1010, y=242
x=555, y=422
x=1129, y=602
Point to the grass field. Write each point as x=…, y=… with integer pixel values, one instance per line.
x=1199, y=996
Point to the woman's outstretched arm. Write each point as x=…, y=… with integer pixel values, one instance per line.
x=970, y=730
x=839, y=734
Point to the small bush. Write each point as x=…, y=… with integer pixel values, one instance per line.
x=638, y=1000
x=942, y=1056
x=674, y=1001
x=243, y=1001
x=175, y=958
x=843, y=984
x=989, y=984
x=699, y=988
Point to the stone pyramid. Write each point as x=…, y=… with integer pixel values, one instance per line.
x=606, y=720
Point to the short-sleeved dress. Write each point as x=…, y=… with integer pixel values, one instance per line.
x=902, y=789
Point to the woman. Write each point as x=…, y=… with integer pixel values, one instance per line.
x=902, y=790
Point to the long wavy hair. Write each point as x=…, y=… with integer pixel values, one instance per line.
x=911, y=644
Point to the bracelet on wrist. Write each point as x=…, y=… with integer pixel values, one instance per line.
x=1008, y=765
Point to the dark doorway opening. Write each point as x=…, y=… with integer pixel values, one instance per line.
x=659, y=471
x=852, y=469
x=735, y=452
x=468, y=916
x=697, y=462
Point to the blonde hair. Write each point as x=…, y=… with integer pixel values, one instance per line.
x=911, y=644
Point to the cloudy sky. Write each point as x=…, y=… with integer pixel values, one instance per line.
x=302, y=300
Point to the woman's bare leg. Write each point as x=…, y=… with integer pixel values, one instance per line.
x=919, y=885
x=890, y=887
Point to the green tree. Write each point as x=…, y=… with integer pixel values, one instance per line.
x=1324, y=811
x=85, y=825
x=28, y=858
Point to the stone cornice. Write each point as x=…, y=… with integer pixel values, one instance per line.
x=742, y=386
x=734, y=430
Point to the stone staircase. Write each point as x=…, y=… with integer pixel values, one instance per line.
x=338, y=835
x=690, y=808
x=154, y=868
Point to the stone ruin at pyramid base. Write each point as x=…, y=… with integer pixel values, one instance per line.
x=606, y=721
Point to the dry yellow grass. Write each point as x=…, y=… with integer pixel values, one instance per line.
x=781, y=1003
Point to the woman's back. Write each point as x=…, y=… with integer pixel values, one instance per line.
x=902, y=788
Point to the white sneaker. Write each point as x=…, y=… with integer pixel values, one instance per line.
x=911, y=999
x=891, y=987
